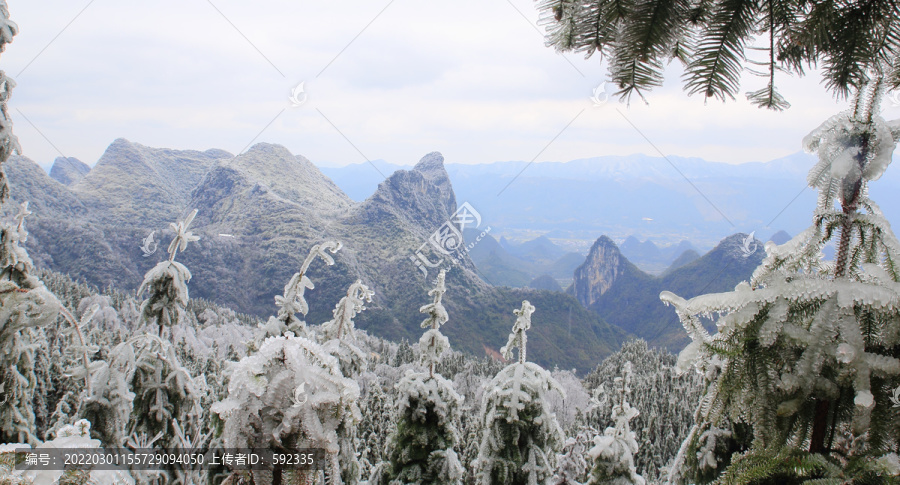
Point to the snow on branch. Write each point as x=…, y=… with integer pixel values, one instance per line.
x=293, y=300
x=518, y=337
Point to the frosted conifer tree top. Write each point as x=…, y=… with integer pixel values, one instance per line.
x=518, y=337
x=433, y=343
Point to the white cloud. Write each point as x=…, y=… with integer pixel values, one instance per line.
x=469, y=78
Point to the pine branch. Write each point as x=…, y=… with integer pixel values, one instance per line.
x=777, y=19
x=716, y=68
x=649, y=37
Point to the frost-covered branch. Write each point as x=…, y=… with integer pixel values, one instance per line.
x=182, y=235
x=804, y=351
x=293, y=300
x=167, y=282
x=83, y=345
x=518, y=337
x=346, y=310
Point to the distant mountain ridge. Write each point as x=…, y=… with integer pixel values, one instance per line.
x=614, y=288
x=652, y=258
x=638, y=195
x=259, y=213
x=505, y=264
x=132, y=183
x=68, y=170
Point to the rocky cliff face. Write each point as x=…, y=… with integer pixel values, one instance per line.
x=68, y=170
x=621, y=294
x=602, y=267
x=421, y=199
x=259, y=213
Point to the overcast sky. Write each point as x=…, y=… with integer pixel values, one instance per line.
x=469, y=78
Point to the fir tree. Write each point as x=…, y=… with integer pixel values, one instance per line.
x=290, y=393
x=167, y=282
x=421, y=448
x=613, y=452
x=140, y=394
x=339, y=333
x=667, y=401
x=166, y=408
x=25, y=303
x=807, y=353
x=293, y=300
x=520, y=436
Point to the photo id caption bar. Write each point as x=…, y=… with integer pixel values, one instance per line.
x=162, y=459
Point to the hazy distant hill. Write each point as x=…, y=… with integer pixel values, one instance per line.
x=359, y=181
x=639, y=195
x=259, y=213
x=652, y=258
x=545, y=282
x=625, y=296
x=516, y=265
x=780, y=237
x=686, y=257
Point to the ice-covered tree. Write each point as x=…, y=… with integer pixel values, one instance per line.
x=421, y=448
x=290, y=393
x=24, y=301
x=339, y=333
x=293, y=301
x=613, y=452
x=433, y=343
x=166, y=396
x=9, y=144
x=106, y=398
x=800, y=372
x=572, y=466
x=667, y=401
x=140, y=394
x=167, y=282
x=24, y=305
x=520, y=436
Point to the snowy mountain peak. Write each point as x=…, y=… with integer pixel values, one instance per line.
x=68, y=170
x=423, y=196
x=271, y=149
x=431, y=162
x=739, y=246
x=136, y=184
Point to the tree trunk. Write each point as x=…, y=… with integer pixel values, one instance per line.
x=820, y=427
x=849, y=206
